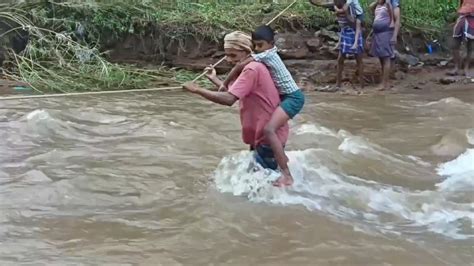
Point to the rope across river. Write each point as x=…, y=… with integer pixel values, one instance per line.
x=128, y=91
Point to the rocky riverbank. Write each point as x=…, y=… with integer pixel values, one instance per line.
x=110, y=50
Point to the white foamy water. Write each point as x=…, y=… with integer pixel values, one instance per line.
x=44, y=123
x=358, y=200
x=459, y=173
x=314, y=129
x=450, y=101
x=470, y=136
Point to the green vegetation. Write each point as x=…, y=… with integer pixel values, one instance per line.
x=429, y=16
x=208, y=19
x=61, y=58
x=53, y=61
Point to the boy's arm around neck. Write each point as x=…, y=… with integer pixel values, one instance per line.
x=236, y=70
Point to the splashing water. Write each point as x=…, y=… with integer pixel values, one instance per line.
x=459, y=173
x=325, y=187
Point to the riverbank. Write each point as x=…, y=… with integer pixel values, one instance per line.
x=416, y=81
x=105, y=45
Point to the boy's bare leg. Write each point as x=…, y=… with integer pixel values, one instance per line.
x=278, y=119
x=340, y=69
x=467, y=60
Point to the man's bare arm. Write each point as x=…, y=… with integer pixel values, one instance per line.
x=224, y=98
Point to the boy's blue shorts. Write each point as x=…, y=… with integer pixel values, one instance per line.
x=292, y=103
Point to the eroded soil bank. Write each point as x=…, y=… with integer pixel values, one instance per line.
x=308, y=54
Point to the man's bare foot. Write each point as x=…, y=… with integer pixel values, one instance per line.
x=283, y=181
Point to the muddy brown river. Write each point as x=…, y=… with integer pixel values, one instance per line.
x=161, y=179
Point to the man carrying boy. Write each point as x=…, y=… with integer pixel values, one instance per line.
x=463, y=31
x=292, y=98
x=353, y=9
x=258, y=99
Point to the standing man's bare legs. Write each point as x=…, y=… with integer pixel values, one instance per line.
x=467, y=60
x=340, y=70
x=456, y=46
x=360, y=69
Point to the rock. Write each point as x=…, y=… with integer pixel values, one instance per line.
x=298, y=53
x=399, y=75
x=313, y=44
x=447, y=80
x=443, y=63
x=432, y=59
x=407, y=59
x=328, y=35
x=292, y=46
x=280, y=42
x=327, y=89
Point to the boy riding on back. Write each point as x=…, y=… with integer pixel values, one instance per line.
x=352, y=9
x=292, y=97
